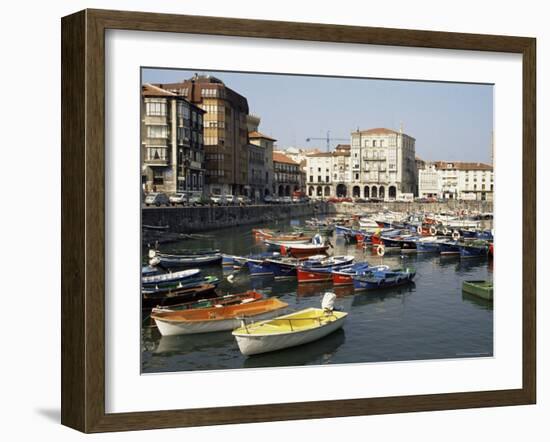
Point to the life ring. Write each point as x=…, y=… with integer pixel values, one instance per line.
x=446, y=231
x=419, y=229
x=433, y=231
x=456, y=235
x=380, y=250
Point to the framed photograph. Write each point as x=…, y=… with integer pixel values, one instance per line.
x=266, y=221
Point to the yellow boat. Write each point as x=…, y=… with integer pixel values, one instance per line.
x=289, y=330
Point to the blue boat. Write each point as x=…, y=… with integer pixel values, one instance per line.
x=473, y=249
x=340, y=230
x=238, y=261
x=449, y=248
x=428, y=245
x=381, y=277
x=278, y=268
x=486, y=235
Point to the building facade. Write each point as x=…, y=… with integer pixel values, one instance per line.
x=428, y=182
x=287, y=175
x=382, y=164
x=260, y=165
x=328, y=173
x=465, y=180
x=172, y=149
x=225, y=131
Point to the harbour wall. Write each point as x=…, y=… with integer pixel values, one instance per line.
x=399, y=206
x=197, y=219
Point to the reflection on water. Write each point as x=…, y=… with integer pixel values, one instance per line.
x=428, y=319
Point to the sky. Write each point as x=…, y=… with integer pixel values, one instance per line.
x=450, y=121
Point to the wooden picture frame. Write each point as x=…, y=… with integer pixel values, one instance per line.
x=83, y=219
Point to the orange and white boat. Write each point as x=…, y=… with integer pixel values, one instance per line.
x=213, y=319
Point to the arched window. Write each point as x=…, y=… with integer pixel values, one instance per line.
x=366, y=192
x=374, y=192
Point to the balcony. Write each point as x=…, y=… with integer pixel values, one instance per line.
x=156, y=156
x=156, y=162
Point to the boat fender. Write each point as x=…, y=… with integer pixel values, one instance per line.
x=456, y=235
x=283, y=250
x=419, y=229
x=446, y=231
x=152, y=253
x=380, y=250
x=433, y=231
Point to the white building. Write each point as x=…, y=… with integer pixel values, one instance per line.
x=328, y=173
x=458, y=180
x=428, y=182
x=382, y=164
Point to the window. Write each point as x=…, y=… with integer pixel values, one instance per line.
x=157, y=131
x=356, y=176
x=373, y=143
x=183, y=110
x=327, y=178
x=155, y=108
x=158, y=177
x=311, y=178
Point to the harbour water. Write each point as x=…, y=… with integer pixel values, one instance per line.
x=429, y=319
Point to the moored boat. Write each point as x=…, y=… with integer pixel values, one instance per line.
x=169, y=278
x=290, y=330
x=180, y=285
x=473, y=249
x=206, y=320
x=482, y=289
x=344, y=275
x=218, y=301
x=171, y=261
x=379, y=278
x=192, y=294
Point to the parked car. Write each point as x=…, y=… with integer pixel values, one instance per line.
x=268, y=199
x=157, y=199
x=286, y=200
x=229, y=199
x=242, y=199
x=177, y=199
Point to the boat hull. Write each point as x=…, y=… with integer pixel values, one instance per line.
x=481, y=289
x=366, y=284
x=167, y=328
x=473, y=251
x=252, y=345
x=305, y=274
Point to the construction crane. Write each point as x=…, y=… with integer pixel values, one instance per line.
x=327, y=140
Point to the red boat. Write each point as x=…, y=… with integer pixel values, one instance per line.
x=341, y=279
x=303, y=250
x=306, y=274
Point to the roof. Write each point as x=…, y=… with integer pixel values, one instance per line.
x=150, y=90
x=377, y=130
x=282, y=158
x=380, y=131
x=343, y=147
x=462, y=165
x=256, y=134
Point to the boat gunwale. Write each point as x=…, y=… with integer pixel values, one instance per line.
x=291, y=332
x=277, y=305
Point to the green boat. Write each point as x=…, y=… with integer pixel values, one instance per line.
x=482, y=289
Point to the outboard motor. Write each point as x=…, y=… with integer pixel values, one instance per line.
x=327, y=303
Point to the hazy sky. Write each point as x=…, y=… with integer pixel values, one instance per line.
x=450, y=121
